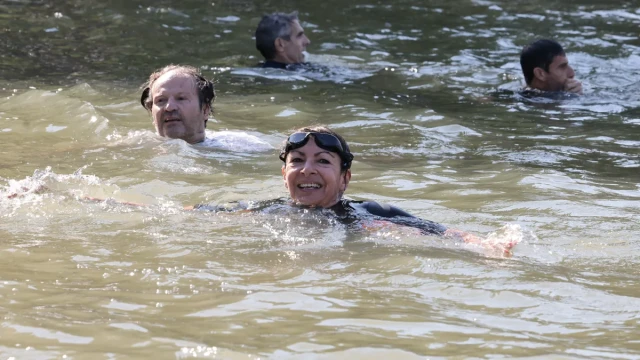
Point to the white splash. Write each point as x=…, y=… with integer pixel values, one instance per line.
x=236, y=141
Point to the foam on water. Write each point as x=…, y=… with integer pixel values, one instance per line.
x=232, y=141
x=340, y=70
x=43, y=180
x=235, y=141
x=301, y=228
x=134, y=137
x=50, y=192
x=272, y=74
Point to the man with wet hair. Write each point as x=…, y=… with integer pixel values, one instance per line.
x=282, y=41
x=546, y=69
x=180, y=100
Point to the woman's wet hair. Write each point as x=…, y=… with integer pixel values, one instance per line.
x=205, y=88
x=540, y=54
x=271, y=27
x=347, y=157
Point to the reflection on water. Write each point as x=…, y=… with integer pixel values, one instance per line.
x=426, y=94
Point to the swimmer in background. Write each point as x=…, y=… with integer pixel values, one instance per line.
x=317, y=171
x=547, y=71
x=180, y=101
x=282, y=41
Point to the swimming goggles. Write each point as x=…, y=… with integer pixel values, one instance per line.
x=325, y=141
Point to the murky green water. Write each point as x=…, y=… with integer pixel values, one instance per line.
x=422, y=90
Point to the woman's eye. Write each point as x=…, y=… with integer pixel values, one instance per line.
x=324, y=161
x=295, y=159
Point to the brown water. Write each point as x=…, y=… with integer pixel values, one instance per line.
x=423, y=92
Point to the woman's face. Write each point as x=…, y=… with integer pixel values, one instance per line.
x=313, y=175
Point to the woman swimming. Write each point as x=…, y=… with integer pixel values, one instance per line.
x=317, y=171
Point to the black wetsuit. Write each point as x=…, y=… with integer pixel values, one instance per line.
x=278, y=65
x=346, y=211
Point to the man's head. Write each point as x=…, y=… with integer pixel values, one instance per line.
x=545, y=66
x=180, y=101
x=279, y=37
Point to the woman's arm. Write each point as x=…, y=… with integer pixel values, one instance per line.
x=469, y=238
x=400, y=217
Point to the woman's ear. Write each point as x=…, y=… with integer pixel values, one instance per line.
x=284, y=177
x=347, y=178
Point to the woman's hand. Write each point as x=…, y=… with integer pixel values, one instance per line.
x=504, y=247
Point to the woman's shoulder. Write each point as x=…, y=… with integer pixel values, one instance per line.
x=395, y=215
x=242, y=206
x=376, y=208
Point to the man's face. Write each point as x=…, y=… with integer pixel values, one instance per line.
x=176, y=110
x=559, y=73
x=291, y=51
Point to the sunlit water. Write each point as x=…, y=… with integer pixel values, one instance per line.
x=425, y=93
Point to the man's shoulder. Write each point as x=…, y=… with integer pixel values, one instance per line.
x=533, y=93
x=270, y=64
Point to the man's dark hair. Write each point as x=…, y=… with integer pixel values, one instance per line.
x=539, y=53
x=271, y=27
x=205, y=88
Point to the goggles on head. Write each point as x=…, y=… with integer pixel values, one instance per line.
x=325, y=141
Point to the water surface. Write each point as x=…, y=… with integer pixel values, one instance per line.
x=425, y=93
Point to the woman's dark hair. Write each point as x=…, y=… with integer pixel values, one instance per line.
x=346, y=156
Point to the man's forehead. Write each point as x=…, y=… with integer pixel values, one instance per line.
x=172, y=75
x=295, y=26
x=560, y=58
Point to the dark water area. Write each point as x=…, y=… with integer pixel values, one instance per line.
x=444, y=55
x=426, y=94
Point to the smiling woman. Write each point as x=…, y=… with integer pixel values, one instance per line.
x=317, y=174
x=317, y=171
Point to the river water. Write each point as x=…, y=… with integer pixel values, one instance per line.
x=424, y=91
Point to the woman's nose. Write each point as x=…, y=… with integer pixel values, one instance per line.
x=308, y=168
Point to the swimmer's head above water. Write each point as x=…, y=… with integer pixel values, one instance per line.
x=280, y=38
x=180, y=101
x=546, y=68
x=317, y=172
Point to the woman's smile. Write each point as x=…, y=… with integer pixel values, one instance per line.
x=314, y=176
